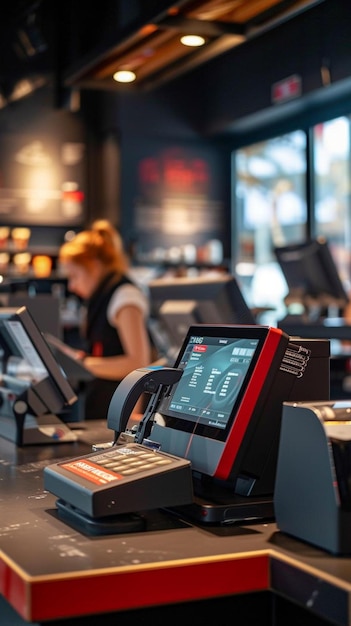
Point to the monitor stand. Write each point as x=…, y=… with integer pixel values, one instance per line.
x=219, y=506
x=25, y=419
x=31, y=430
x=19, y=425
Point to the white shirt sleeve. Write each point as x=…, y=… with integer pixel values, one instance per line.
x=126, y=295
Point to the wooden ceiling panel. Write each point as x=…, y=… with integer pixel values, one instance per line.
x=231, y=10
x=154, y=51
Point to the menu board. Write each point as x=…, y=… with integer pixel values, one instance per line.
x=179, y=197
x=41, y=180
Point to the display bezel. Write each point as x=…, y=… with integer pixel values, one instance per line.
x=217, y=456
x=52, y=385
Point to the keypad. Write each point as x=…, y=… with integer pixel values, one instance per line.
x=132, y=459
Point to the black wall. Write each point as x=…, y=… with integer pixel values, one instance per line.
x=212, y=110
x=231, y=95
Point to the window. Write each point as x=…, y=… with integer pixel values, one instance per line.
x=269, y=209
x=332, y=184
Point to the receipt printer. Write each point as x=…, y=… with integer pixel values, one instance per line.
x=312, y=497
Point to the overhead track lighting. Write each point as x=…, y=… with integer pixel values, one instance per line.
x=193, y=41
x=124, y=76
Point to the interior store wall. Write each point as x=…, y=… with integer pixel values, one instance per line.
x=232, y=95
x=43, y=169
x=228, y=103
x=198, y=118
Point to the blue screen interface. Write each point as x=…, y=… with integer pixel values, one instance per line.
x=215, y=371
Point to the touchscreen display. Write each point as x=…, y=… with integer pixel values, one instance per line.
x=215, y=373
x=22, y=360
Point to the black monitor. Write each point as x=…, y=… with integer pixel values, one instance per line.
x=224, y=413
x=312, y=276
x=77, y=374
x=178, y=303
x=34, y=389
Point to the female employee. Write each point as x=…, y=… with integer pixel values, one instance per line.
x=115, y=328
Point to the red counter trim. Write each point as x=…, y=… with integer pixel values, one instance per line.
x=100, y=591
x=14, y=587
x=55, y=598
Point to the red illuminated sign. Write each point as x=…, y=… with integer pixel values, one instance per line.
x=175, y=171
x=286, y=89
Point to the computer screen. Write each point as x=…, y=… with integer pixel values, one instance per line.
x=177, y=303
x=311, y=274
x=222, y=415
x=31, y=377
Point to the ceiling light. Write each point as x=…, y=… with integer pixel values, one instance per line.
x=124, y=76
x=192, y=40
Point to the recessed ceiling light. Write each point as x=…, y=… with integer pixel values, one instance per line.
x=124, y=76
x=192, y=40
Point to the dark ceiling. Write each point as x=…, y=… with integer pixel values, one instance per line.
x=82, y=44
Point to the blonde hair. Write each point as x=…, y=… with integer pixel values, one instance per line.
x=102, y=242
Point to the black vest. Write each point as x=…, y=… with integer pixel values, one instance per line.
x=102, y=340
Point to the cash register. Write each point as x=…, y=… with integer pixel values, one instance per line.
x=207, y=443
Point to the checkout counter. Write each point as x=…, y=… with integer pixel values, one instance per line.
x=174, y=567
x=50, y=572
